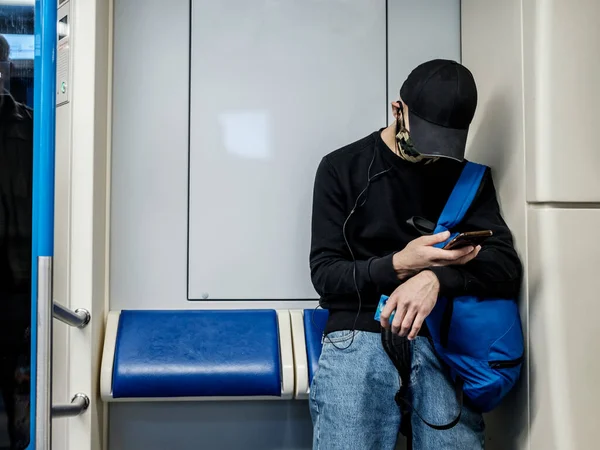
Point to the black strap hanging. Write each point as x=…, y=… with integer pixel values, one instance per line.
x=399, y=351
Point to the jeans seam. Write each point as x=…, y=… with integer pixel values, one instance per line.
x=317, y=425
x=416, y=362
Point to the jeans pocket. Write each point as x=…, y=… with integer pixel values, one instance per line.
x=337, y=337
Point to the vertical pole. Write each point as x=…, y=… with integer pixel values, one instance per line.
x=43, y=220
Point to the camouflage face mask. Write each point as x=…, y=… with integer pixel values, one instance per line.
x=406, y=147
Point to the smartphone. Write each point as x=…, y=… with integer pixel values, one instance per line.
x=470, y=238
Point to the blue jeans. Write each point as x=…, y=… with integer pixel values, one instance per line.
x=352, y=398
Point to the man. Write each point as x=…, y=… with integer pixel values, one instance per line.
x=16, y=164
x=369, y=198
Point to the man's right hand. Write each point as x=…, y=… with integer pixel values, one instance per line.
x=421, y=254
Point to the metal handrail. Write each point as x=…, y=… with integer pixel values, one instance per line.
x=78, y=318
x=43, y=385
x=46, y=311
x=78, y=406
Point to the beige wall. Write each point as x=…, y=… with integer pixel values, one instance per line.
x=537, y=68
x=491, y=48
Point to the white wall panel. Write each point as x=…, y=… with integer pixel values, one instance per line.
x=80, y=224
x=562, y=97
x=88, y=212
x=275, y=86
x=563, y=292
x=417, y=32
x=61, y=261
x=149, y=166
x=148, y=249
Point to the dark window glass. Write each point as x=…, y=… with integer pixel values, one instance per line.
x=16, y=161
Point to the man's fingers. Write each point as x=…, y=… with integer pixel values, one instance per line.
x=398, y=318
x=389, y=307
x=438, y=254
x=407, y=322
x=434, y=238
x=416, y=327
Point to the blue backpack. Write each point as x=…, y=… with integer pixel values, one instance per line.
x=481, y=340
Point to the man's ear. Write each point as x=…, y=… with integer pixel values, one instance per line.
x=396, y=109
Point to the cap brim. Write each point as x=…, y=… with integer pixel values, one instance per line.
x=430, y=139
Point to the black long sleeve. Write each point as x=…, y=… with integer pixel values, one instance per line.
x=380, y=226
x=330, y=259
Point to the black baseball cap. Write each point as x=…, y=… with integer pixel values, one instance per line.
x=441, y=96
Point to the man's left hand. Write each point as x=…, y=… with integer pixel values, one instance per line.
x=413, y=301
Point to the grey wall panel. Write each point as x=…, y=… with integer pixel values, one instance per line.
x=211, y=426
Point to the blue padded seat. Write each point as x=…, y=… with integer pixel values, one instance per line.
x=314, y=325
x=197, y=354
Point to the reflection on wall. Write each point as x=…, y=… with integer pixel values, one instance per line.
x=246, y=134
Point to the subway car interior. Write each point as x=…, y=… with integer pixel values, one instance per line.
x=159, y=176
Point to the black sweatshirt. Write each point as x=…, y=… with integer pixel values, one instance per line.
x=379, y=228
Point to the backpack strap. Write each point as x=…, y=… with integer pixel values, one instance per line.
x=459, y=202
x=398, y=348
